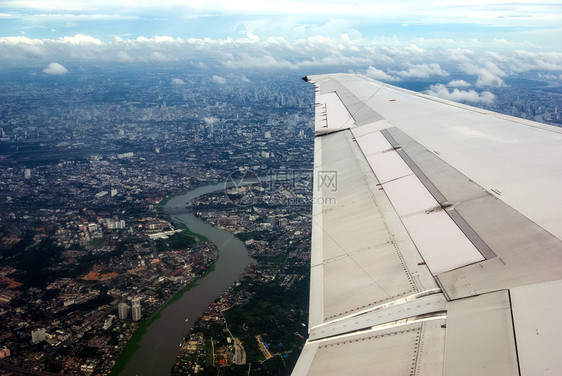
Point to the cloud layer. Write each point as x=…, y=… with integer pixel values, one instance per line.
x=506, y=24
x=474, y=45
x=391, y=60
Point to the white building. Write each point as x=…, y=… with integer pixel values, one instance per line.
x=123, y=309
x=38, y=335
x=136, y=312
x=108, y=322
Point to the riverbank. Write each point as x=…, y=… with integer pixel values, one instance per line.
x=133, y=343
x=153, y=350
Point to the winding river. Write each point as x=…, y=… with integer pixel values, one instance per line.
x=159, y=346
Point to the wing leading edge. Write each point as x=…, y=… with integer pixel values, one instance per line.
x=436, y=238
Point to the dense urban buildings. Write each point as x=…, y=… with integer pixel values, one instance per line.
x=86, y=255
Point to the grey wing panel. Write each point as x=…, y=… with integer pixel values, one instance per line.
x=517, y=250
x=370, y=287
x=428, y=219
x=508, y=157
x=480, y=337
x=414, y=348
x=362, y=114
x=361, y=255
x=493, y=176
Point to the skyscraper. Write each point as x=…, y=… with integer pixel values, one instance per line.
x=123, y=309
x=37, y=335
x=136, y=312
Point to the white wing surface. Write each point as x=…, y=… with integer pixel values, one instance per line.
x=436, y=239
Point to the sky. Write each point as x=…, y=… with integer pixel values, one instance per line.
x=481, y=43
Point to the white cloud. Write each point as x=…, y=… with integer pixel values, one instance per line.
x=319, y=39
x=498, y=23
x=459, y=55
x=244, y=60
x=413, y=71
x=20, y=40
x=123, y=57
x=489, y=79
x=378, y=74
x=252, y=37
x=55, y=69
x=178, y=81
x=159, y=56
x=489, y=69
x=277, y=40
x=333, y=59
x=441, y=91
x=219, y=80
x=487, y=75
x=523, y=61
x=81, y=39
x=549, y=76
x=458, y=83
x=423, y=71
x=165, y=39
x=209, y=120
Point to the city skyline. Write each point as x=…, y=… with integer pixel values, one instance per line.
x=87, y=165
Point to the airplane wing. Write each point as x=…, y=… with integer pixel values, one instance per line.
x=436, y=237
